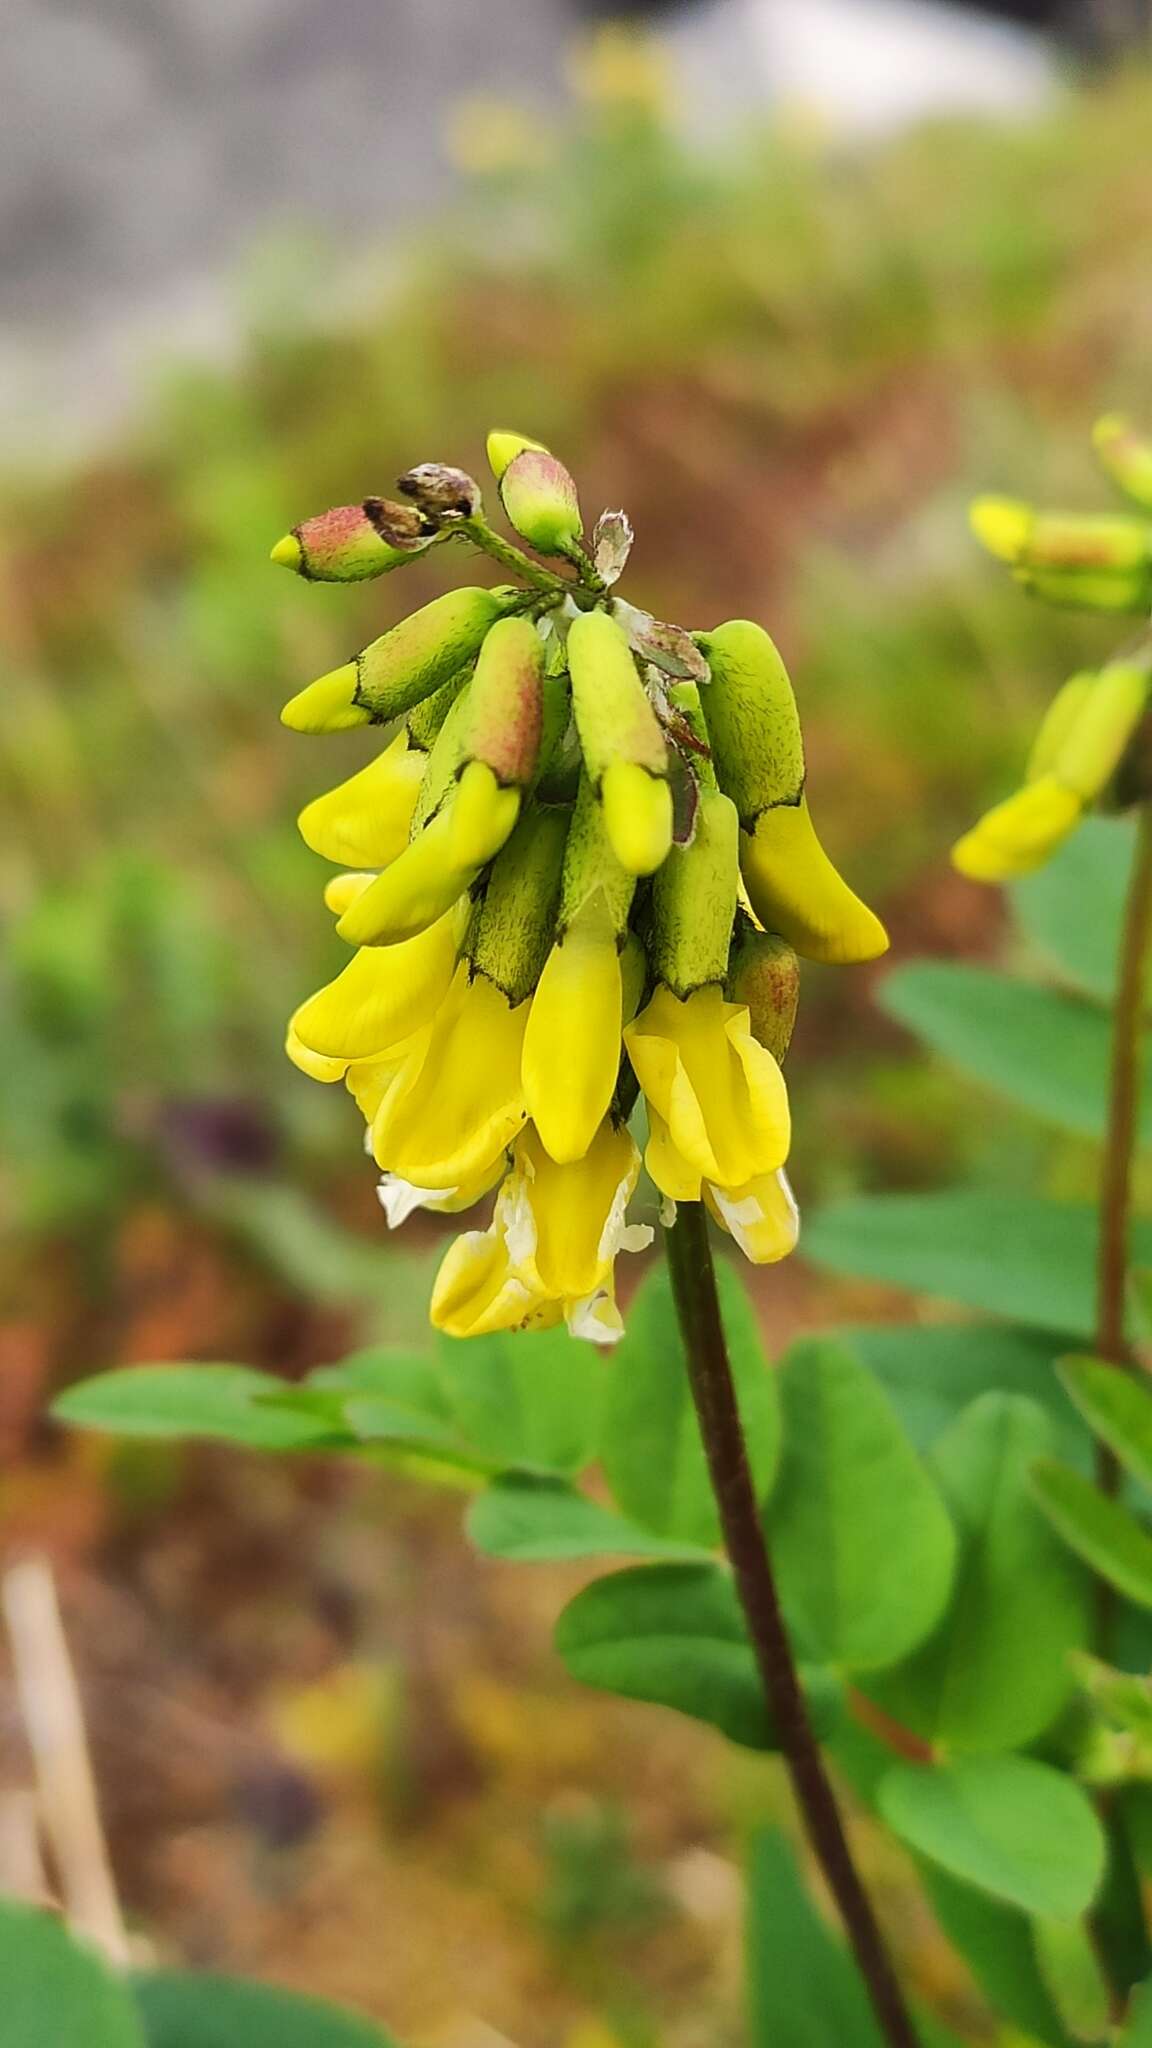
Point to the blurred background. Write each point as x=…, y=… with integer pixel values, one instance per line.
x=789, y=279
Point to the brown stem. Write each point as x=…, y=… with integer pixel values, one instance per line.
x=1111, y=1337
x=710, y=1374
x=1123, y=1107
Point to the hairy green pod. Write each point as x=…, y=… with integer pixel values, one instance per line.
x=753, y=723
x=764, y=974
x=614, y=717
x=517, y=920
x=414, y=658
x=591, y=868
x=505, y=702
x=694, y=896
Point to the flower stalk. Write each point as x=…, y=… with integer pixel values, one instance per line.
x=1124, y=1104
x=717, y=1409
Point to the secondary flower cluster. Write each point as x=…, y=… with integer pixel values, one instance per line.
x=580, y=871
x=1085, y=746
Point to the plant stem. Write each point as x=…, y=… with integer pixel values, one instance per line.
x=1118, y=1924
x=510, y=557
x=714, y=1393
x=1123, y=1107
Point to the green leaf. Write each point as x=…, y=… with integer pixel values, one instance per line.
x=1117, y=1406
x=1073, y=907
x=652, y=1455
x=996, y=1943
x=673, y=1634
x=532, y=1402
x=228, y=1402
x=182, y=2010
x=55, y=1991
x=1070, y=1967
x=995, y=1674
x=1011, y=1255
x=313, y=1253
x=932, y=1371
x=803, y=1989
x=408, y=1377
x=1138, y=2032
x=1043, y=1050
x=1013, y=1827
x=1099, y=1530
x=537, y=1520
x=863, y=1543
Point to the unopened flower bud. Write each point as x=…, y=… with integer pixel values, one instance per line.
x=1126, y=456
x=795, y=890
x=753, y=722
x=505, y=702
x=353, y=542
x=504, y=447
x=637, y=815
x=481, y=815
x=1058, y=722
x=764, y=975
x=694, y=897
x=330, y=704
x=426, y=720
x=364, y=822
x=1090, y=590
x=618, y=729
x=1019, y=834
x=440, y=492
x=759, y=755
x=1091, y=749
x=1095, y=562
x=438, y=866
x=518, y=917
x=406, y=664
x=578, y=1008
x=540, y=500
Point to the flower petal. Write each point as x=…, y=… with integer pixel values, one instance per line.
x=572, y=1043
x=364, y=822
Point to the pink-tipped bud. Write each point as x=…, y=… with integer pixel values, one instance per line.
x=540, y=499
x=505, y=703
x=351, y=543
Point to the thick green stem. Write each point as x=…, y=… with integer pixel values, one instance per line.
x=714, y=1393
x=512, y=558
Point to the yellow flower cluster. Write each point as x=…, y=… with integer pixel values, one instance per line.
x=578, y=873
x=1099, y=562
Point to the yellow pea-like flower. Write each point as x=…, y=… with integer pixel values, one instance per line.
x=551, y=1247
x=795, y=890
x=462, y=1103
x=437, y=867
x=1077, y=751
x=762, y=1216
x=1021, y=833
x=365, y=821
x=381, y=997
x=578, y=1211
x=572, y=1043
x=719, y=1092
x=637, y=816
